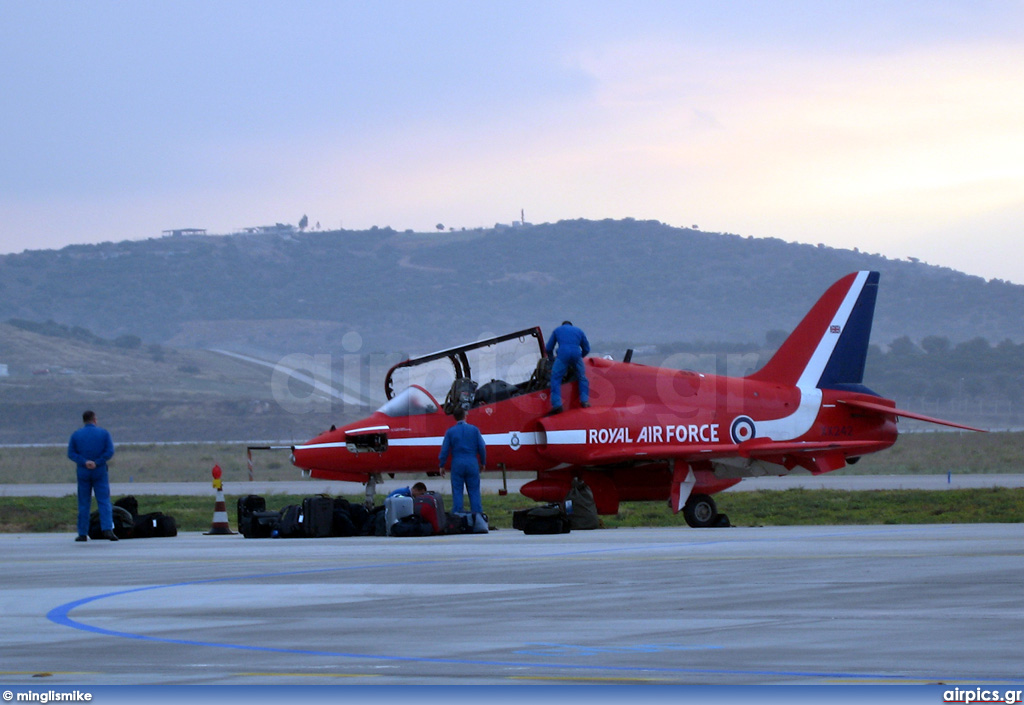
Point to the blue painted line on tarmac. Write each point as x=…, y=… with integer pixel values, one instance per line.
x=61, y=615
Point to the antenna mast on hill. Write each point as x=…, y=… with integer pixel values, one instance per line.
x=522, y=216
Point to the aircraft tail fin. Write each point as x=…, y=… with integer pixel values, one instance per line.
x=830, y=346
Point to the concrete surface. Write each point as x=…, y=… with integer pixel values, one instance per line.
x=776, y=605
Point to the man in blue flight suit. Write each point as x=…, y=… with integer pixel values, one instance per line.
x=90, y=448
x=465, y=444
x=415, y=491
x=573, y=346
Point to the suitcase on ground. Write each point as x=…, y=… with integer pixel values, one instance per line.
x=396, y=507
x=317, y=517
x=247, y=506
x=430, y=506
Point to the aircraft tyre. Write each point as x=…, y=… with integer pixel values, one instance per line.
x=700, y=511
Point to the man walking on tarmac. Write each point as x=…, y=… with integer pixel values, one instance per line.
x=90, y=448
x=573, y=346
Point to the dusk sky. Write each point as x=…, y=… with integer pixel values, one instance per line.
x=893, y=127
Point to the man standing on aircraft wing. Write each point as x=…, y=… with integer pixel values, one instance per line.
x=573, y=346
x=465, y=444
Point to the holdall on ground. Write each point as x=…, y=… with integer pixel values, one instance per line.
x=342, y=523
x=290, y=526
x=412, y=525
x=123, y=523
x=396, y=507
x=519, y=518
x=373, y=524
x=145, y=526
x=263, y=525
x=166, y=525
x=455, y=523
x=547, y=519
x=247, y=506
x=154, y=525
x=318, y=516
x=360, y=514
x=474, y=522
x=380, y=524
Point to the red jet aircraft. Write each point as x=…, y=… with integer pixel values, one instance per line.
x=650, y=433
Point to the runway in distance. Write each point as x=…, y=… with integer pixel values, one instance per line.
x=651, y=433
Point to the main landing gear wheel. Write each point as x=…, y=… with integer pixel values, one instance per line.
x=700, y=511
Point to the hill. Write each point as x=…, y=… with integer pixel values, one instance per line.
x=151, y=393
x=627, y=281
x=187, y=338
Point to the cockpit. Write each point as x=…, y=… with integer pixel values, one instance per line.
x=414, y=401
x=469, y=375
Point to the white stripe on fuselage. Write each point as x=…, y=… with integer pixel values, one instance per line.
x=491, y=439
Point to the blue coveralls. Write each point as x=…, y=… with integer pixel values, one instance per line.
x=465, y=444
x=573, y=346
x=91, y=442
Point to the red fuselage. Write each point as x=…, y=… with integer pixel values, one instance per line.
x=643, y=422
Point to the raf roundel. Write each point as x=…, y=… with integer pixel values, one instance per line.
x=742, y=429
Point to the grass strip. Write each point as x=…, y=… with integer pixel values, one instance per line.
x=795, y=507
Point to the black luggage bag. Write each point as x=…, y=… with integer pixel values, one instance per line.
x=154, y=525
x=547, y=519
x=317, y=516
x=247, y=506
x=263, y=525
x=123, y=523
x=290, y=526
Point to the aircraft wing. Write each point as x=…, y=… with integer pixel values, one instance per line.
x=892, y=412
x=816, y=456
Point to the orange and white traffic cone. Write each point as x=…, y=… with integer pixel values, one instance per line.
x=220, y=524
